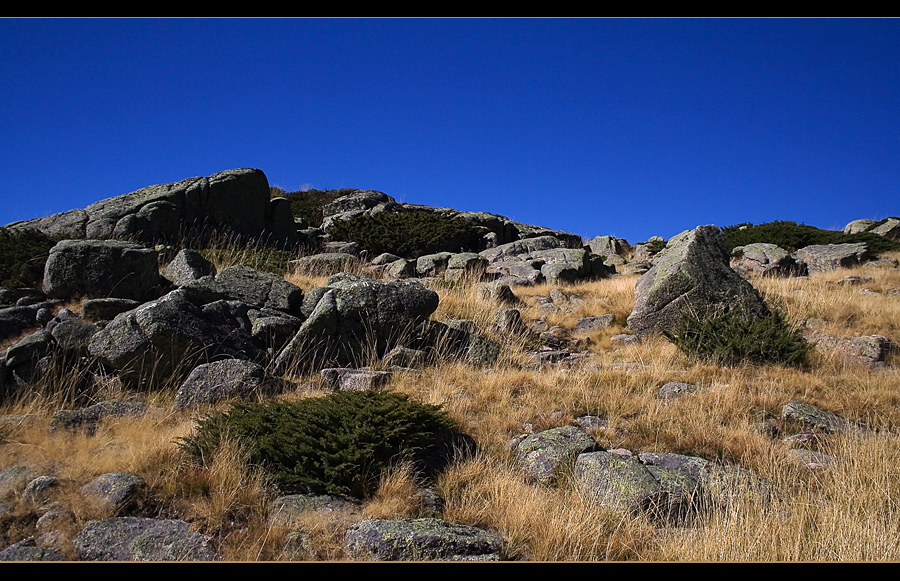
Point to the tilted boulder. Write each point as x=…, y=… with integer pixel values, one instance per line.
x=101, y=268
x=692, y=277
x=169, y=336
x=543, y=455
x=248, y=285
x=827, y=257
x=233, y=203
x=355, y=318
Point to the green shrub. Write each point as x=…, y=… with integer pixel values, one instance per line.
x=409, y=234
x=792, y=236
x=309, y=204
x=337, y=444
x=23, y=254
x=730, y=339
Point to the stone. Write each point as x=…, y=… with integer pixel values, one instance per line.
x=890, y=228
x=675, y=389
x=814, y=417
x=106, y=309
x=101, y=269
x=425, y=539
x=27, y=550
x=594, y=324
x=820, y=258
x=857, y=226
x=287, y=510
x=115, y=492
x=141, y=539
x=543, y=455
x=211, y=383
x=692, y=278
x=343, y=379
x=625, y=339
x=763, y=259
x=870, y=350
x=88, y=419
x=622, y=483
x=188, y=265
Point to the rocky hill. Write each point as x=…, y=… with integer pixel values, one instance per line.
x=212, y=306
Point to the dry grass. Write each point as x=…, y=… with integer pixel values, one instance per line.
x=844, y=512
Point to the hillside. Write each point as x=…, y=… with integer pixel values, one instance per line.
x=251, y=374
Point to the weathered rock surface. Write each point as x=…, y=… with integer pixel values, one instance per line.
x=345, y=379
x=692, y=277
x=171, y=335
x=261, y=290
x=425, y=539
x=101, y=269
x=214, y=382
x=188, y=265
x=115, y=492
x=89, y=418
x=233, y=203
x=106, y=309
x=544, y=454
x=870, y=350
x=857, y=226
x=141, y=539
x=675, y=389
x=764, y=259
x=827, y=257
x=27, y=550
x=814, y=417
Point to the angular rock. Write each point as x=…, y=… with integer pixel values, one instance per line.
x=870, y=350
x=857, y=226
x=814, y=417
x=765, y=259
x=890, y=228
x=619, y=482
x=498, y=292
x=343, y=379
x=115, y=492
x=827, y=257
x=545, y=454
x=404, y=357
x=675, y=389
x=425, y=539
x=609, y=245
x=287, y=510
x=106, y=309
x=692, y=278
x=101, y=268
x=27, y=550
x=141, y=539
x=592, y=324
x=214, y=382
x=248, y=285
x=188, y=265
x=30, y=348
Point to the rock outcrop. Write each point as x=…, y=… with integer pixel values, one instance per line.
x=692, y=277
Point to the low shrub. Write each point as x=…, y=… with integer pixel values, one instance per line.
x=409, y=234
x=337, y=444
x=730, y=339
x=309, y=204
x=792, y=236
x=23, y=254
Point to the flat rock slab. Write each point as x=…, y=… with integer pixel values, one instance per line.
x=828, y=257
x=141, y=539
x=424, y=539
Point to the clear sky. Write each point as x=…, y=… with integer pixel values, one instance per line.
x=632, y=128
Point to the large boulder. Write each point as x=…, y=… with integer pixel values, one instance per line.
x=692, y=277
x=827, y=257
x=234, y=203
x=141, y=539
x=355, y=318
x=169, y=336
x=101, y=268
x=764, y=259
x=424, y=539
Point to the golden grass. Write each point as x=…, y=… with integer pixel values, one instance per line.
x=844, y=512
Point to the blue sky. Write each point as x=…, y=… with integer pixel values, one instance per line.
x=632, y=128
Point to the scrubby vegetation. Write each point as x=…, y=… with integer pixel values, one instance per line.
x=23, y=254
x=337, y=444
x=408, y=234
x=792, y=236
x=730, y=339
x=308, y=204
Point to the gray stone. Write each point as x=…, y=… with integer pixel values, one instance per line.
x=106, y=309
x=141, y=539
x=30, y=348
x=889, y=229
x=498, y=292
x=857, y=226
x=827, y=257
x=609, y=245
x=188, y=265
x=101, y=268
x=404, y=357
x=73, y=337
x=214, y=382
x=593, y=324
x=234, y=203
x=764, y=259
x=692, y=278
x=433, y=264
x=675, y=389
x=625, y=339
x=163, y=339
x=89, y=418
x=545, y=454
x=38, y=490
x=27, y=550
x=287, y=510
x=870, y=350
x=623, y=483
x=344, y=379
x=115, y=492
x=814, y=417
x=248, y=285
x=425, y=539
x=326, y=263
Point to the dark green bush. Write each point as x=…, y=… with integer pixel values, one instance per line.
x=309, y=204
x=409, y=234
x=730, y=340
x=792, y=236
x=23, y=254
x=337, y=444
